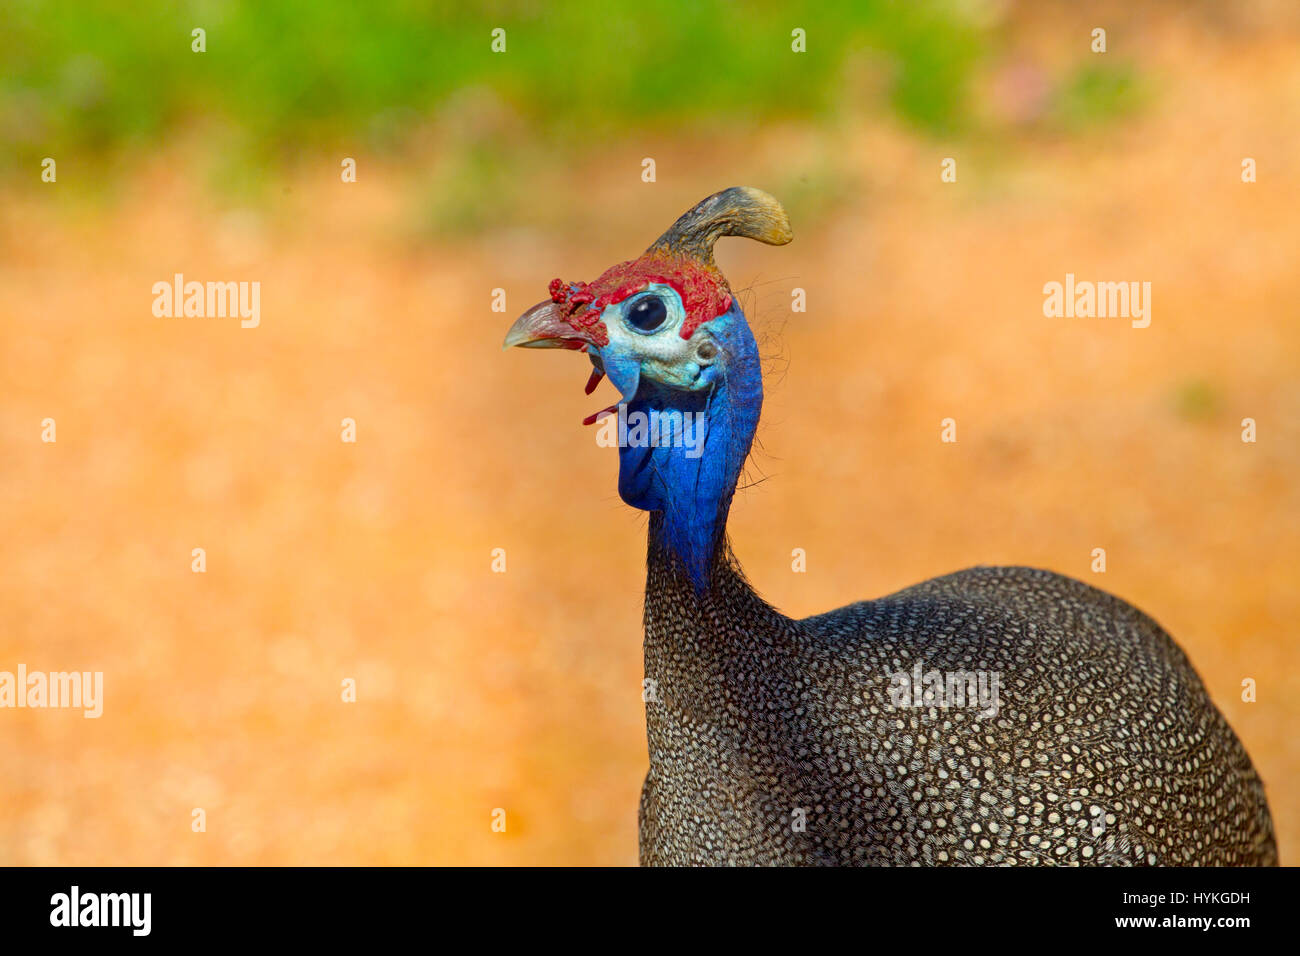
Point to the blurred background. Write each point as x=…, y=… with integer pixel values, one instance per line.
x=479, y=171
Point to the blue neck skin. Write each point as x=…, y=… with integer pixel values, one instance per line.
x=691, y=489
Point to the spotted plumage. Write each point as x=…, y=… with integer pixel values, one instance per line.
x=996, y=716
x=1105, y=749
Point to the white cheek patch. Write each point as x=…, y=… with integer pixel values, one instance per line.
x=665, y=356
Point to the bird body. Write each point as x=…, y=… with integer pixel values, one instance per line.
x=992, y=716
x=781, y=741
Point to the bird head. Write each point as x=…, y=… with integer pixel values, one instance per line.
x=667, y=331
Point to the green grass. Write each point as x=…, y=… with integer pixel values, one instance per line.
x=286, y=75
x=1092, y=95
x=1197, y=400
x=102, y=84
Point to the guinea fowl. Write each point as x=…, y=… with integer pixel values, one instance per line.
x=991, y=716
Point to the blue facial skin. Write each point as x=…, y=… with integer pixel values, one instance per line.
x=693, y=493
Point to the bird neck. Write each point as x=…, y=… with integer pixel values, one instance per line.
x=689, y=489
x=671, y=577
x=695, y=639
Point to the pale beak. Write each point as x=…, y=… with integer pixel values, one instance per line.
x=545, y=327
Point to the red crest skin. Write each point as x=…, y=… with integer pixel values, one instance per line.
x=703, y=290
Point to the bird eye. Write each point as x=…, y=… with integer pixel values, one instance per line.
x=647, y=314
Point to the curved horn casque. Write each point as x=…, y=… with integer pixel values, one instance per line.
x=738, y=211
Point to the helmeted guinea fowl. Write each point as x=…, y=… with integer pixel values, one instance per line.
x=992, y=716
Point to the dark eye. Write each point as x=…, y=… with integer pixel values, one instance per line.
x=647, y=313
